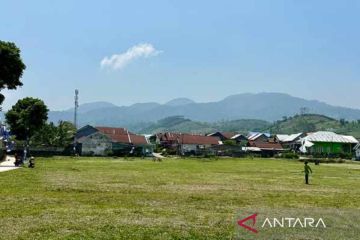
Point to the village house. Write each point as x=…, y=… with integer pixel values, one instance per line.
x=263, y=144
x=237, y=138
x=327, y=143
x=290, y=141
x=267, y=149
x=223, y=135
x=168, y=139
x=111, y=141
x=258, y=137
x=197, y=144
x=95, y=143
x=184, y=143
x=240, y=139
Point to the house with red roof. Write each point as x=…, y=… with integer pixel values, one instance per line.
x=111, y=141
x=263, y=144
x=196, y=144
x=223, y=135
x=185, y=143
x=265, y=148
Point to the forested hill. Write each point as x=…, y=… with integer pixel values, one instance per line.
x=288, y=125
x=181, y=124
x=315, y=122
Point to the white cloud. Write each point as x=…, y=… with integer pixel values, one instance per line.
x=119, y=61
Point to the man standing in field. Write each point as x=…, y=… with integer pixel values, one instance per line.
x=307, y=171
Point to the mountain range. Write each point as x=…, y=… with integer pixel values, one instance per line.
x=263, y=106
x=181, y=124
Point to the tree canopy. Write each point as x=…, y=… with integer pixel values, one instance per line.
x=11, y=67
x=50, y=135
x=26, y=117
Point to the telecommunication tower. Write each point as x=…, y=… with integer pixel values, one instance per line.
x=75, y=116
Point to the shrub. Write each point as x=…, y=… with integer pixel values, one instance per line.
x=323, y=160
x=209, y=155
x=108, y=152
x=229, y=142
x=290, y=155
x=332, y=155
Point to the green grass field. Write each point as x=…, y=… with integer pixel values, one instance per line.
x=105, y=198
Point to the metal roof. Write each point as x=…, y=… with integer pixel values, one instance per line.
x=198, y=139
x=267, y=145
x=287, y=137
x=323, y=136
x=238, y=135
x=255, y=136
x=227, y=135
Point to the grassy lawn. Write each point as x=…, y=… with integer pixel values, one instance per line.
x=105, y=198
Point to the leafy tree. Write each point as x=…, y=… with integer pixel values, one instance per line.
x=45, y=136
x=342, y=122
x=51, y=135
x=27, y=117
x=65, y=133
x=11, y=67
x=230, y=142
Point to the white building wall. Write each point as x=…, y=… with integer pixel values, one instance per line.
x=96, y=144
x=193, y=147
x=189, y=147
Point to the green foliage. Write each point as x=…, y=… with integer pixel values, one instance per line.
x=342, y=155
x=109, y=152
x=181, y=124
x=11, y=67
x=242, y=125
x=65, y=133
x=27, y=117
x=229, y=142
x=325, y=160
x=51, y=135
x=46, y=135
x=171, y=121
x=289, y=155
x=315, y=122
x=342, y=122
x=177, y=124
x=210, y=155
x=288, y=125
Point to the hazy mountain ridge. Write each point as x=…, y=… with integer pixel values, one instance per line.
x=181, y=124
x=263, y=106
x=179, y=102
x=289, y=125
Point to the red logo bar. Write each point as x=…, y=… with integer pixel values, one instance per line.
x=253, y=218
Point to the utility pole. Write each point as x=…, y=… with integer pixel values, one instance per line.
x=75, y=117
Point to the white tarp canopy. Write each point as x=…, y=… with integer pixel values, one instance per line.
x=305, y=144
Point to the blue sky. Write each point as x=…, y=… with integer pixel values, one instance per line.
x=203, y=50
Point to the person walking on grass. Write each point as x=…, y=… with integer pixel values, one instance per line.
x=307, y=171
